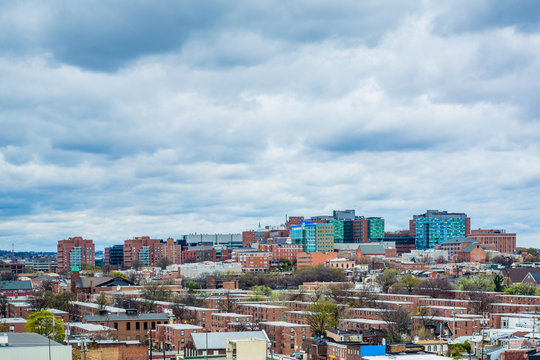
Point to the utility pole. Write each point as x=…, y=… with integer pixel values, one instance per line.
x=149, y=345
x=84, y=348
x=206, y=345
x=163, y=344
x=50, y=333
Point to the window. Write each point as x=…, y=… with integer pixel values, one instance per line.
x=116, y=325
x=145, y=325
x=128, y=326
x=137, y=326
x=182, y=332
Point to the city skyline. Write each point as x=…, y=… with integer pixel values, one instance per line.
x=131, y=119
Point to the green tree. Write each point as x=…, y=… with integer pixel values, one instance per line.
x=44, y=323
x=321, y=316
x=498, y=281
x=119, y=274
x=408, y=282
x=262, y=290
x=62, y=301
x=387, y=279
x=520, y=289
x=192, y=286
x=480, y=282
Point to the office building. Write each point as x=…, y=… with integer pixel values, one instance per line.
x=314, y=237
x=503, y=242
x=375, y=228
x=73, y=252
x=435, y=227
x=114, y=256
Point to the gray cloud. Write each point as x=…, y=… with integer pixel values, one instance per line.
x=177, y=118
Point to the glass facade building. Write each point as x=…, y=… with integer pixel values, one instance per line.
x=435, y=227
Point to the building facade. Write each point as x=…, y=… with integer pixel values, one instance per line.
x=314, y=237
x=75, y=251
x=504, y=242
x=435, y=227
x=114, y=256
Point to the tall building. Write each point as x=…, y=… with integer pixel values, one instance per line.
x=359, y=231
x=503, y=242
x=151, y=251
x=114, y=256
x=339, y=234
x=74, y=252
x=375, y=228
x=344, y=214
x=435, y=227
x=317, y=237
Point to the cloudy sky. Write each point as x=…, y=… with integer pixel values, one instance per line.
x=129, y=118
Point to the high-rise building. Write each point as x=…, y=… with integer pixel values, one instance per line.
x=313, y=237
x=151, y=251
x=503, y=242
x=339, y=234
x=75, y=251
x=435, y=227
x=344, y=214
x=375, y=228
x=114, y=256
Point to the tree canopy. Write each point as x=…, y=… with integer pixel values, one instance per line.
x=44, y=323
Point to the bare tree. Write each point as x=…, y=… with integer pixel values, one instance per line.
x=398, y=324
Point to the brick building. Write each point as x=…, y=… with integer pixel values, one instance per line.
x=286, y=338
x=262, y=312
x=314, y=258
x=151, y=251
x=131, y=325
x=221, y=321
x=175, y=336
x=504, y=242
x=472, y=253
x=199, y=253
x=280, y=251
x=252, y=260
x=74, y=252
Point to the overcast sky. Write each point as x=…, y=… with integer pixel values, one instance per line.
x=161, y=118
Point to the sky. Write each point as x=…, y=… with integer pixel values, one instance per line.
x=131, y=118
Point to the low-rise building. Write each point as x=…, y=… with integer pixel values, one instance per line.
x=32, y=346
x=175, y=336
x=286, y=338
x=131, y=325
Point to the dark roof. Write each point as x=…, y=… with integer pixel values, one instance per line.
x=16, y=285
x=88, y=282
x=469, y=248
x=125, y=317
x=459, y=240
x=29, y=339
x=535, y=276
x=117, y=281
x=517, y=274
